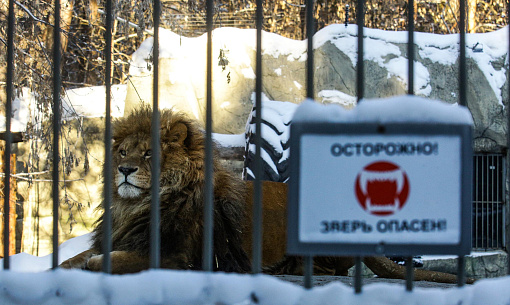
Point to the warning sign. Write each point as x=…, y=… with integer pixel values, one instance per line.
x=357, y=190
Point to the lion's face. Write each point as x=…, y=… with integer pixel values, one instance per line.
x=133, y=166
x=132, y=154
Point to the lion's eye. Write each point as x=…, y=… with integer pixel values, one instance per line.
x=148, y=154
x=122, y=153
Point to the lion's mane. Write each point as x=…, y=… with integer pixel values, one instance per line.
x=182, y=184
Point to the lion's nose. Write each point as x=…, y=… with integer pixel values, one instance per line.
x=127, y=170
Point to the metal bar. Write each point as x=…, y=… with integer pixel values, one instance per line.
x=57, y=57
x=310, y=31
x=360, y=82
x=108, y=175
x=461, y=272
x=155, y=146
x=477, y=176
x=410, y=91
x=308, y=271
x=257, y=187
x=492, y=230
x=410, y=47
x=208, y=205
x=487, y=203
x=357, y=274
x=8, y=135
x=409, y=273
x=507, y=176
x=360, y=70
x=462, y=54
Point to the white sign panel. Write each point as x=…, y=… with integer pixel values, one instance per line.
x=393, y=189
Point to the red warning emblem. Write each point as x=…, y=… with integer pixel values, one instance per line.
x=382, y=188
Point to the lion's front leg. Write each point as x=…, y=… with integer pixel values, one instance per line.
x=122, y=262
x=131, y=262
x=78, y=261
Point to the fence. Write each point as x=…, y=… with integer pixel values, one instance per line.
x=488, y=202
x=488, y=209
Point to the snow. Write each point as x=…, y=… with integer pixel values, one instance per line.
x=383, y=48
x=91, y=101
x=337, y=97
x=28, y=282
x=400, y=109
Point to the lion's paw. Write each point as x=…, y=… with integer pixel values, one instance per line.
x=95, y=263
x=77, y=262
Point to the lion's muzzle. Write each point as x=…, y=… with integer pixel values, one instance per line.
x=126, y=171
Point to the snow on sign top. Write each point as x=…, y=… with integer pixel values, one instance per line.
x=400, y=109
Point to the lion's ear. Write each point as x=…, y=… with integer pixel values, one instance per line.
x=178, y=133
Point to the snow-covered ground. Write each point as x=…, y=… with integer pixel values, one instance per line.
x=19, y=286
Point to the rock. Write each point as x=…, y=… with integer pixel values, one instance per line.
x=182, y=74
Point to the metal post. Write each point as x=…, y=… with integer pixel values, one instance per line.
x=108, y=175
x=462, y=55
x=360, y=71
x=8, y=134
x=257, y=186
x=410, y=91
x=155, y=146
x=308, y=272
x=461, y=272
x=310, y=31
x=360, y=90
x=410, y=46
x=507, y=135
x=208, y=205
x=56, y=127
x=409, y=273
x=357, y=274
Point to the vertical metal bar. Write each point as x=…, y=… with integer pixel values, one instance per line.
x=357, y=274
x=463, y=102
x=360, y=90
x=507, y=173
x=108, y=175
x=498, y=199
x=487, y=203
x=257, y=191
x=462, y=54
x=477, y=175
x=409, y=273
x=410, y=91
x=56, y=127
x=360, y=71
x=208, y=206
x=155, y=146
x=461, y=272
x=410, y=46
x=8, y=135
x=308, y=271
x=482, y=203
x=310, y=31
x=493, y=212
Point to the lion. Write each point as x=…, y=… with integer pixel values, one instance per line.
x=182, y=184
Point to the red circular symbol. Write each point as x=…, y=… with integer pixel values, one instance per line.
x=382, y=188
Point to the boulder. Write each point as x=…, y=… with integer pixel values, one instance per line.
x=183, y=85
